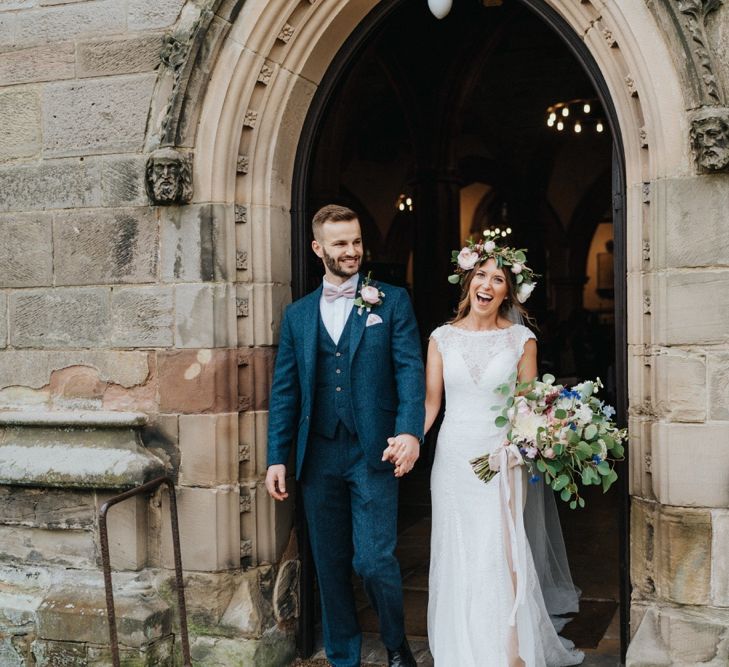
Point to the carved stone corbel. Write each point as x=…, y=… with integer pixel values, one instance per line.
x=710, y=139
x=169, y=177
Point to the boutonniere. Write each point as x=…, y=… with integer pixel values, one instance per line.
x=369, y=296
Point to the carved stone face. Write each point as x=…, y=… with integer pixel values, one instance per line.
x=169, y=177
x=710, y=139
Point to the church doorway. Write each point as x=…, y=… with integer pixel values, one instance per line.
x=489, y=121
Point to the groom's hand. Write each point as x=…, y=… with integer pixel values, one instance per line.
x=276, y=482
x=403, y=450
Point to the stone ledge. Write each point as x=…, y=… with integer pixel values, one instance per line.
x=87, y=450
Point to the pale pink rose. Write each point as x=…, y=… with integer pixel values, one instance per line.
x=370, y=295
x=516, y=268
x=531, y=452
x=489, y=246
x=549, y=453
x=467, y=259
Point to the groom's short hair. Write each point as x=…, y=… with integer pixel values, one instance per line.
x=331, y=213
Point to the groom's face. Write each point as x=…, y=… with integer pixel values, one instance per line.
x=339, y=246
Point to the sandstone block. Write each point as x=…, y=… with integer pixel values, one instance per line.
x=62, y=23
x=26, y=255
x=690, y=464
x=643, y=557
x=42, y=63
x=60, y=318
x=36, y=546
x=145, y=15
x=86, y=117
x=249, y=611
x=274, y=648
x=142, y=316
x=270, y=244
x=719, y=386
x=208, y=449
x=122, y=180
x=47, y=508
x=197, y=381
x=205, y=315
x=273, y=525
x=697, y=310
x=7, y=5
x=641, y=457
x=50, y=184
x=720, y=562
x=254, y=376
x=680, y=386
x=105, y=246
x=127, y=527
x=34, y=368
x=104, y=57
x=3, y=320
x=697, y=204
x=20, y=135
x=253, y=439
x=198, y=243
x=209, y=529
x=265, y=304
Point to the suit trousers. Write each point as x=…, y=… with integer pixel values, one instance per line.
x=351, y=513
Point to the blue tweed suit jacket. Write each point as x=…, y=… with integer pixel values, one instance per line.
x=386, y=375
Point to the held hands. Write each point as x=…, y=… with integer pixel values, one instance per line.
x=403, y=451
x=276, y=482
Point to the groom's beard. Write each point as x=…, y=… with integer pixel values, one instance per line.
x=335, y=267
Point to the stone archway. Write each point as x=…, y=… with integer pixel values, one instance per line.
x=266, y=65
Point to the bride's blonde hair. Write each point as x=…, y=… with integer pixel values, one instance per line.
x=510, y=301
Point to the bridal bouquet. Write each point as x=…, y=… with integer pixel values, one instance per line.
x=567, y=434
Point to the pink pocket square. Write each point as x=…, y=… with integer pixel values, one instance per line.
x=373, y=319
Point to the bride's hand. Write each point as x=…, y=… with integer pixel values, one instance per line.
x=403, y=450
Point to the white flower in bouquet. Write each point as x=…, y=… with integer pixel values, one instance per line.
x=583, y=414
x=526, y=424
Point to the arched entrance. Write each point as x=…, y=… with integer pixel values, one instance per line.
x=269, y=68
x=427, y=110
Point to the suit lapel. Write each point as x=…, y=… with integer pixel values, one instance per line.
x=311, y=335
x=358, y=326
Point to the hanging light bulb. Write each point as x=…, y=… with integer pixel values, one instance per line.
x=599, y=127
x=560, y=126
x=550, y=122
x=440, y=8
x=586, y=108
x=508, y=230
x=565, y=111
x=578, y=128
x=503, y=233
x=409, y=201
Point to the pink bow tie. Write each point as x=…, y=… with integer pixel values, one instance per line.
x=332, y=293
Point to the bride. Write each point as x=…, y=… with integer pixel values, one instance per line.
x=486, y=606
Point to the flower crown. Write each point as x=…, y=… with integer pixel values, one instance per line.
x=474, y=253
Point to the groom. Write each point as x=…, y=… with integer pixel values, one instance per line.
x=347, y=378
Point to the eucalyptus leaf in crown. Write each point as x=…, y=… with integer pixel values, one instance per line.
x=475, y=253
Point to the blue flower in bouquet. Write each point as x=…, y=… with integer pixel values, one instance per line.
x=573, y=426
x=597, y=458
x=569, y=393
x=608, y=411
x=533, y=479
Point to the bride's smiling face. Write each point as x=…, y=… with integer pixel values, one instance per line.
x=488, y=288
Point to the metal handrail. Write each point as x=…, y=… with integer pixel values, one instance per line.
x=149, y=487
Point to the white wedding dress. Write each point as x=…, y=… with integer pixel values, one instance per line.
x=481, y=612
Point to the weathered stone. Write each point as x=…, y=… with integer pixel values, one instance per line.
x=690, y=464
x=209, y=529
x=47, y=508
x=142, y=316
x=50, y=184
x=197, y=243
x=3, y=321
x=253, y=438
x=680, y=386
x=208, y=449
x=719, y=386
x=7, y=5
x=84, y=117
x=197, y=381
x=127, y=527
x=205, y=315
x=692, y=308
x=20, y=133
x=36, y=546
x=52, y=62
x=64, y=654
x=122, y=181
x=131, y=55
x=168, y=177
x=275, y=648
x=160, y=653
x=81, y=614
x=679, y=636
x=34, y=368
x=720, y=565
x=286, y=591
x=145, y=15
x=105, y=246
x=26, y=256
x=643, y=536
x=12, y=652
x=58, y=24
x=254, y=377
x=60, y=318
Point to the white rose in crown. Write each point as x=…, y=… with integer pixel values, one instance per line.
x=524, y=291
x=370, y=294
x=516, y=268
x=489, y=246
x=467, y=259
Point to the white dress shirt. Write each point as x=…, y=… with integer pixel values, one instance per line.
x=334, y=314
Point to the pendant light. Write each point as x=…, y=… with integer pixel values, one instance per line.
x=440, y=8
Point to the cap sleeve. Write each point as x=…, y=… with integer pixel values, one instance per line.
x=437, y=336
x=525, y=334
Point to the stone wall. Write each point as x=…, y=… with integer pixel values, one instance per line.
x=110, y=303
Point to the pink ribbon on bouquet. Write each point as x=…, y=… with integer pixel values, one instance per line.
x=507, y=459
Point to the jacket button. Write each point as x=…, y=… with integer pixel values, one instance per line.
x=338, y=371
x=339, y=389
x=338, y=354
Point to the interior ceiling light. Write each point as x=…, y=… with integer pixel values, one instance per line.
x=440, y=8
x=579, y=115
